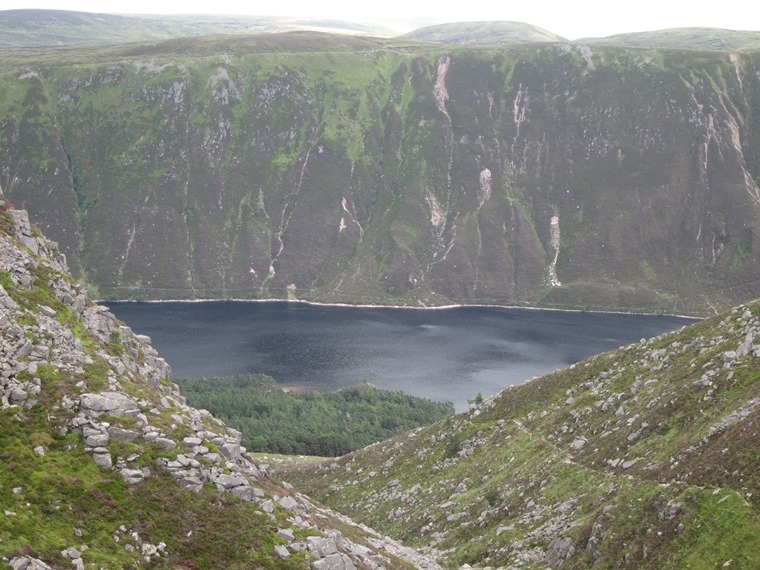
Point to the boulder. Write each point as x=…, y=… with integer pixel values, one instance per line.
x=133, y=476
x=7, y=302
x=335, y=561
x=229, y=481
x=21, y=220
x=17, y=396
x=560, y=549
x=98, y=440
x=191, y=483
x=244, y=493
x=288, y=503
x=25, y=350
x=71, y=553
x=99, y=321
x=578, y=444
x=111, y=403
x=28, y=563
x=120, y=434
x=39, y=352
x=286, y=534
x=165, y=443
x=103, y=460
x=231, y=451
x=321, y=546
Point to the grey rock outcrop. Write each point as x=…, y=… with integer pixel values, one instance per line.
x=336, y=561
x=560, y=549
x=28, y=563
x=111, y=403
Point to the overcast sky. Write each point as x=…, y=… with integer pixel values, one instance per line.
x=570, y=19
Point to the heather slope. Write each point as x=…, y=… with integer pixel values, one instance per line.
x=644, y=456
x=483, y=33
x=713, y=39
x=30, y=29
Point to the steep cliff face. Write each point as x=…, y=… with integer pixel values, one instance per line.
x=104, y=464
x=562, y=176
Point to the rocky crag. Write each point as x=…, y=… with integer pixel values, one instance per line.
x=106, y=466
x=644, y=457
x=366, y=170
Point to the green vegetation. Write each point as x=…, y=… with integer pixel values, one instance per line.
x=484, y=33
x=712, y=39
x=644, y=456
x=25, y=29
x=309, y=423
x=46, y=498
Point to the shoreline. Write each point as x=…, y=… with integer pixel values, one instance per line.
x=414, y=307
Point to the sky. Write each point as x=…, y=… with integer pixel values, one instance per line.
x=572, y=20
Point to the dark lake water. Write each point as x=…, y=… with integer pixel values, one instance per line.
x=442, y=354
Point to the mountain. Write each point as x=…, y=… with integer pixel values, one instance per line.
x=27, y=29
x=483, y=33
x=643, y=457
x=364, y=170
x=713, y=39
x=105, y=465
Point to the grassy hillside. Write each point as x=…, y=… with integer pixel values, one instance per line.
x=483, y=33
x=195, y=49
x=642, y=457
x=29, y=29
x=364, y=170
x=712, y=39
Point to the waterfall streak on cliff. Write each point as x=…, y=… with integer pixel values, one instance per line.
x=440, y=91
x=287, y=214
x=554, y=241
